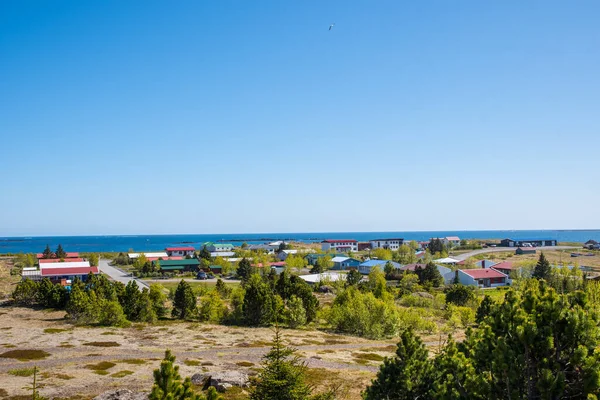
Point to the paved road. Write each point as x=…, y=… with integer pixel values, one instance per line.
x=118, y=275
x=464, y=256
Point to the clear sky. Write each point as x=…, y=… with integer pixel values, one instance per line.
x=224, y=116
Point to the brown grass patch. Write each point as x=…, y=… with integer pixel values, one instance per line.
x=191, y=363
x=25, y=355
x=133, y=361
x=102, y=344
x=121, y=374
x=101, y=366
x=258, y=343
x=55, y=330
x=244, y=364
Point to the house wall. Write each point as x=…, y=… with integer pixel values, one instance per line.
x=386, y=244
x=178, y=253
x=465, y=279
x=340, y=246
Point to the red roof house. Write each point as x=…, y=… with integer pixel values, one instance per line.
x=482, y=277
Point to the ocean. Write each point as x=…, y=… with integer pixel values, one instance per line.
x=117, y=243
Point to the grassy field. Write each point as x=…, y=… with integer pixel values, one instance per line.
x=7, y=281
x=554, y=256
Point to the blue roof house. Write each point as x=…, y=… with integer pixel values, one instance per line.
x=366, y=266
x=341, y=263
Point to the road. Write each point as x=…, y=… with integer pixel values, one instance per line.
x=117, y=275
x=464, y=256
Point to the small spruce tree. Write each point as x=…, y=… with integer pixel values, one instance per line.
x=168, y=384
x=542, y=269
x=184, y=301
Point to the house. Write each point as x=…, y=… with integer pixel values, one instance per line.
x=390, y=244
x=506, y=267
x=525, y=250
x=528, y=242
x=58, y=260
x=365, y=267
x=214, y=254
x=325, y=276
x=216, y=269
x=342, y=245
x=591, y=245
x=447, y=260
x=451, y=241
x=485, y=264
x=262, y=247
x=65, y=272
x=283, y=254
x=313, y=257
x=481, y=277
x=178, y=265
x=344, y=263
x=364, y=246
x=180, y=251
x=445, y=272
x=151, y=256
x=67, y=255
x=214, y=247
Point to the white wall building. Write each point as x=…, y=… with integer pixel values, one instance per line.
x=341, y=245
x=391, y=244
x=180, y=251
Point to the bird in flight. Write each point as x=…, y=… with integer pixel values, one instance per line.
x=331, y=26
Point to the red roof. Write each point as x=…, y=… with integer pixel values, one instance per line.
x=56, y=260
x=69, y=271
x=165, y=258
x=189, y=248
x=503, y=265
x=452, y=238
x=411, y=267
x=339, y=241
x=481, y=273
x=68, y=255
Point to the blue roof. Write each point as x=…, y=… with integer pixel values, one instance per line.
x=373, y=263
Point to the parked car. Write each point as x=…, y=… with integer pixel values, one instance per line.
x=202, y=275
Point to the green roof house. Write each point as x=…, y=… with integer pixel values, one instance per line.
x=179, y=265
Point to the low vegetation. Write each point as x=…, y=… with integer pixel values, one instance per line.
x=25, y=355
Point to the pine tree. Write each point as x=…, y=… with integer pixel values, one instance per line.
x=353, y=277
x=282, y=376
x=542, y=269
x=146, y=311
x=258, y=302
x=47, y=252
x=222, y=289
x=484, y=309
x=184, y=301
x=60, y=252
x=131, y=299
x=168, y=384
x=296, y=314
x=244, y=270
x=406, y=376
x=205, y=254
x=158, y=299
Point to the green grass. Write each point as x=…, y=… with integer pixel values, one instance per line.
x=367, y=356
x=101, y=366
x=55, y=330
x=25, y=355
x=244, y=364
x=191, y=363
x=102, y=344
x=496, y=294
x=21, y=371
x=133, y=361
x=121, y=374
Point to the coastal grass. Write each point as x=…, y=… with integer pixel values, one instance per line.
x=102, y=344
x=22, y=371
x=25, y=355
x=121, y=374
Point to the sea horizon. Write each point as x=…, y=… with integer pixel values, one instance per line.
x=149, y=242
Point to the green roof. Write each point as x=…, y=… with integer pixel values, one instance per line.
x=177, y=264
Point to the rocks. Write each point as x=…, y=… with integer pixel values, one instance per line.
x=122, y=394
x=221, y=380
x=425, y=295
x=325, y=289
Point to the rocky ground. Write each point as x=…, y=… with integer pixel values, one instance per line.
x=82, y=362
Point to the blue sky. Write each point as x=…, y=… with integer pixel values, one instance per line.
x=238, y=116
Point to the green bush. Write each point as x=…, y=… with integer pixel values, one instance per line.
x=412, y=300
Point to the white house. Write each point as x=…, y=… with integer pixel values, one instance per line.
x=451, y=241
x=482, y=277
x=325, y=276
x=214, y=254
x=155, y=255
x=341, y=245
x=180, y=251
x=283, y=254
x=214, y=247
x=391, y=244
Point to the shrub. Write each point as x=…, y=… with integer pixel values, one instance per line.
x=296, y=314
x=413, y=300
x=459, y=295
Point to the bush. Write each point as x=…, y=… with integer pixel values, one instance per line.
x=296, y=314
x=212, y=308
x=412, y=300
x=459, y=295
